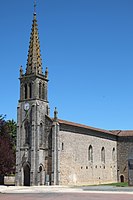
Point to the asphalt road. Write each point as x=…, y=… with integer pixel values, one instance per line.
x=66, y=196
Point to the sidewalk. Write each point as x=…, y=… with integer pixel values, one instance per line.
x=37, y=189
x=66, y=189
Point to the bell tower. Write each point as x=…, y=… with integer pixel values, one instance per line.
x=32, y=111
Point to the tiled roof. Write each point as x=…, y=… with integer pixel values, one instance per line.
x=123, y=132
x=120, y=133
x=126, y=133
x=86, y=127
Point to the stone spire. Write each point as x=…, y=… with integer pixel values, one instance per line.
x=34, y=61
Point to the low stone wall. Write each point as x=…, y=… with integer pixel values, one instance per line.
x=9, y=180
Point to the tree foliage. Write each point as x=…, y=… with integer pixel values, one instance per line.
x=12, y=128
x=7, y=150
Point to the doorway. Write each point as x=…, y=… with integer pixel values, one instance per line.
x=122, y=179
x=26, y=175
x=41, y=175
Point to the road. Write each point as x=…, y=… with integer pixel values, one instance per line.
x=66, y=196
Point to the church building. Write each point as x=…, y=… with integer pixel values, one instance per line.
x=52, y=151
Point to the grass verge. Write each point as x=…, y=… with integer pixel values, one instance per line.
x=125, y=184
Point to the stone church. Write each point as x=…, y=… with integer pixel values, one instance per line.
x=57, y=152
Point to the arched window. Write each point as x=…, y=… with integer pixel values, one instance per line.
x=47, y=110
x=90, y=153
x=41, y=133
x=103, y=155
x=25, y=88
x=113, y=154
x=40, y=90
x=62, y=146
x=21, y=91
x=40, y=168
x=43, y=91
x=27, y=132
x=30, y=90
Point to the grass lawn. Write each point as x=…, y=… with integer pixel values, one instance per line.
x=125, y=184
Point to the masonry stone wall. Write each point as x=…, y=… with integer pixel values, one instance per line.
x=33, y=150
x=125, y=152
x=76, y=169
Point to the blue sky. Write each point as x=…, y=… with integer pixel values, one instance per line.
x=88, y=48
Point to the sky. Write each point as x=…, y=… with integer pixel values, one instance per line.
x=87, y=46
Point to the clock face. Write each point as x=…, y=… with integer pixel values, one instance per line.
x=26, y=106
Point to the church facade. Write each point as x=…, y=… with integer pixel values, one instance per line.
x=58, y=152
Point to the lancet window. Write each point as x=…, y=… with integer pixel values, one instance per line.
x=90, y=153
x=113, y=154
x=43, y=91
x=40, y=90
x=62, y=146
x=27, y=132
x=26, y=91
x=103, y=155
x=41, y=133
x=30, y=90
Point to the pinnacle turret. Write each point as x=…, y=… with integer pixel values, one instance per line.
x=55, y=114
x=34, y=62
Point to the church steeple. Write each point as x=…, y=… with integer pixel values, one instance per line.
x=34, y=61
x=34, y=137
x=34, y=82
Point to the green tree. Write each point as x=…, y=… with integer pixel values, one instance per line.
x=7, y=150
x=12, y=126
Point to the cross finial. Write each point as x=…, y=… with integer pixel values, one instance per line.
x=34, y=6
